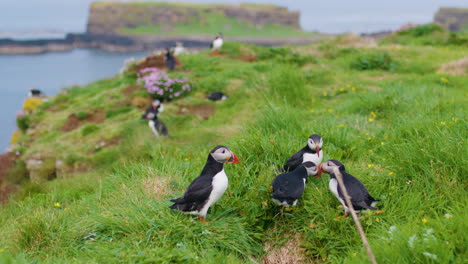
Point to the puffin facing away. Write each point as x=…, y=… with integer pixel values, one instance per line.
x=169, y=60
x=288, y=187
x=217, y=42
x=207, y=188
x=360, y=197
x=311, y=152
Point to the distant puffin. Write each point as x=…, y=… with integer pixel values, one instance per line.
x=207, y=188
x=311, y=152
x=288, y=187
x=169, y=60
x=35, y=93
x=360, y=197
x=217, y=96
x=217, y=42
x=151, y=114
x=179, y=49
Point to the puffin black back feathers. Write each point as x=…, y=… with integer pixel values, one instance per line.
x=311, y=152
x=169, y=60
x=207, y=188
x=288, y=187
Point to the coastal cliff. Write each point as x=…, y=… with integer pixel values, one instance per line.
x=118, y=18
x=453, y=19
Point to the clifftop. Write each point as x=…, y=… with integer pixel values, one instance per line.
x=454, y=19
x=188, y=19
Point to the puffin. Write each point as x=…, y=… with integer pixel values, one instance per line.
x=169, y=60
x=288, y=187
x=217, y=96
x=360, y=197
x=207, y=188
x=179, y=49
x=311, y=152
x=217, y=42
x=151, y=114
x=35, y=93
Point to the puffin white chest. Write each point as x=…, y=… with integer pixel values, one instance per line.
x=333, y=185
x=312, y=157
x=217, y=43
x=220, y=184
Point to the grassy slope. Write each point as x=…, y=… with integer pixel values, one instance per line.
x=389, y=129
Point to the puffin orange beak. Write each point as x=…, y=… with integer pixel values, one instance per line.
x=233, y=159
x=317, y=149
x=319, y=174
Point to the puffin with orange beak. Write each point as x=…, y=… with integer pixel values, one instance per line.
x=288, y=187
x=207, y=188
x=311, y=152
x=360, y=197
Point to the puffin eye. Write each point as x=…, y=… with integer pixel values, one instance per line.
x=224, y=151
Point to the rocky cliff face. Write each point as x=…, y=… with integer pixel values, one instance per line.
x=454, y=19
x=109, y=17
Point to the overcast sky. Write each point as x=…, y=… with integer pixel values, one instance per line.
x=332, y=16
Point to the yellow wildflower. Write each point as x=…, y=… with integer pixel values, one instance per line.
x=369, y=138
x=353, y=89
x=382, y=143
x=341, y=89
x=313, y=100
x=448, y=216
x=443, y=123
x=391, y=173
x=56, y=204
x=454, y=119
x=424, y=220
x=370, y=165
x=1, y=250
x=341, y=125
x=377, y=220
x=366, y=134
x=186, y=159
x=348, y=85
x=370, y=119
x=443, y=79
x=374, y=115
x=354, y=254
x=371, y=150
x=312, y=110
x=325, y=94
x=330, y=110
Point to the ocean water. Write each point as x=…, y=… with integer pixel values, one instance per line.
x=49, y=72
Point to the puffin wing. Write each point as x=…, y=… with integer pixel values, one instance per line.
x=359, y=194
x=286, y=186
x=199, y=190
x=294, y=161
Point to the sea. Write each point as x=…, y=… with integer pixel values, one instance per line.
x=50, y=72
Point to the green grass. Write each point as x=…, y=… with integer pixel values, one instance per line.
x=212, y=22
x=401, y=132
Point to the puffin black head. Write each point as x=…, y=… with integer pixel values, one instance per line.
x=222, y=154
x=328, y=166
x=315, y=143
x=219, y=35
x=312, y=169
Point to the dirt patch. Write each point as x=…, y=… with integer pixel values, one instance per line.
x=457, y=67
x=204, y=111
x=155, y=61
x=247, y=58
x=73, y=122
x=156, y=187
x=216, y=53
x=7, y=161
x=130, y=89
x=289, y=253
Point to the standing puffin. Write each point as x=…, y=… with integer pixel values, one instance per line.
x=288, y=187
x=207, y=188
x=169, y=60
x=311, y=152
x=360, y=197
x=217, y=42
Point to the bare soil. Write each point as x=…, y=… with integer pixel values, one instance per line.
x=204, y=111
x=72, y=123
